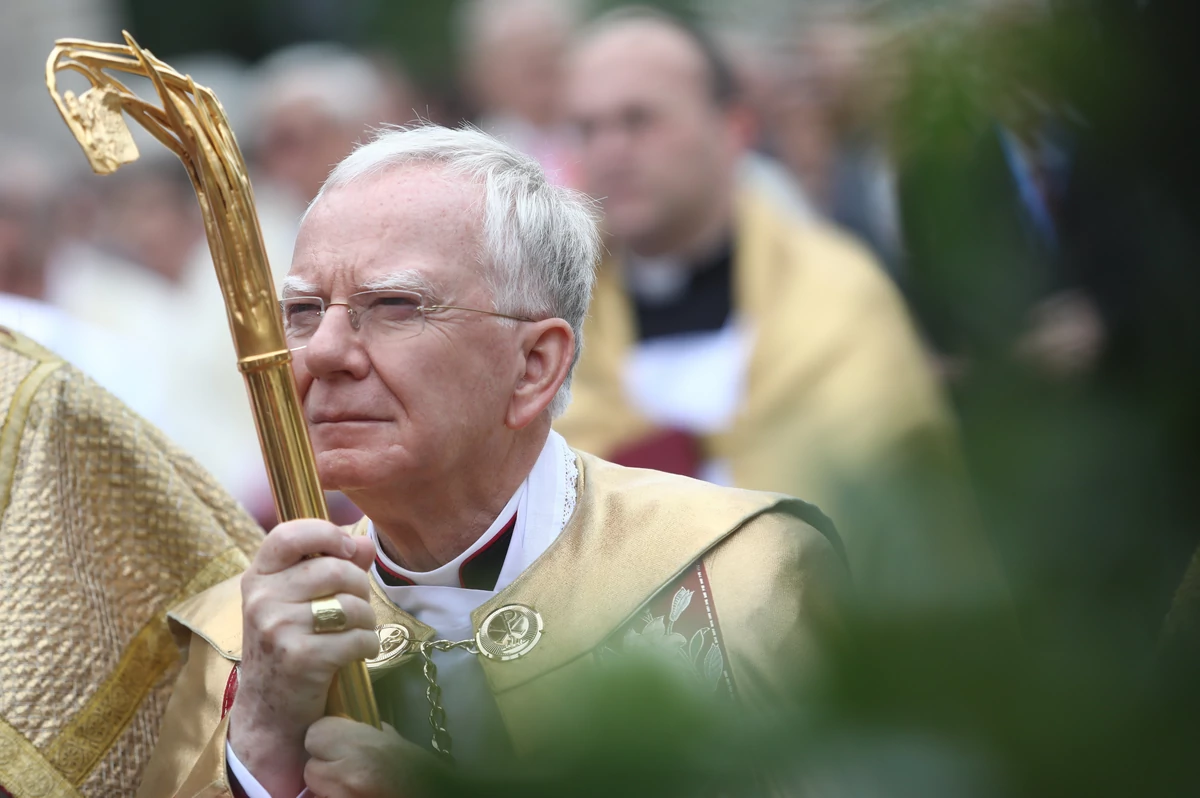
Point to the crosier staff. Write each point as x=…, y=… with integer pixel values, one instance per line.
x=192, y=124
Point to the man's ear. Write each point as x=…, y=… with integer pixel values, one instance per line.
x=547, y=350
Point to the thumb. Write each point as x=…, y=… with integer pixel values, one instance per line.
x=364, y=552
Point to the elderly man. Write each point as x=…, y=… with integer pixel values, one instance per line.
x=731, y=342
x=434, y=305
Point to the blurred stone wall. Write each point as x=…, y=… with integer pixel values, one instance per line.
x=28, y=29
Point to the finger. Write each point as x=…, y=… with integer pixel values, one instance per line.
x=278, y=627
x=364, y=554
x=293, y=541
x=332, y=650
x=322, y=778
x=359, y=614
x=331, y=738
x=315, y=578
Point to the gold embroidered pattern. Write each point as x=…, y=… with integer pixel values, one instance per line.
x=25, y=773
x=83, y=742
x=104, y=525
x=657, y=638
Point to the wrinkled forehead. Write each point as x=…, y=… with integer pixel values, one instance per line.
x=419, y=221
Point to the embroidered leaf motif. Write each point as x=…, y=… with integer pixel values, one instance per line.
x=683, y=597
x=654, y=640
x=696, y=644
x=606, y=656
x=714, y=665
x=631, y=640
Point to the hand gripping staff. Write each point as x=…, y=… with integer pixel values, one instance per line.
x=192, y=124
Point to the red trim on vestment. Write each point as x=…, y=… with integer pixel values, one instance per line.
x=508, y=528
x=231, y=687
x=404, y=580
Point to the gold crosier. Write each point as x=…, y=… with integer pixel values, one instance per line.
x=192, y=124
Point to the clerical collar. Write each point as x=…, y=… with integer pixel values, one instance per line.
x=673, y=297
x=529, y=522
x=476, y=568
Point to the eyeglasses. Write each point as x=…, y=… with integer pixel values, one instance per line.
x=390, y=314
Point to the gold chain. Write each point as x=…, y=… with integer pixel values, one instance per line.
x=442, y=742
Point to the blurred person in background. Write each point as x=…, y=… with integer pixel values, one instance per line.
x=825, y=119
x=1048, y=203
x=26, y=190
x=730, y=342
x=312, y=103
x=29, y=188
x=755, y=64
x=402, y=101
x=511, y=54
x=1003, y=164
x=142, y=264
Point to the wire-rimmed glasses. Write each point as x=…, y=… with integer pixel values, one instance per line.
x=394, y=314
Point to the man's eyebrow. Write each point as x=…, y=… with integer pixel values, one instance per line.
x=297, y=286
x=406, y=280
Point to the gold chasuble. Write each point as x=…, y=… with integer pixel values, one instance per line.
x=840, y=405
x=736, y=579
x=104, y=525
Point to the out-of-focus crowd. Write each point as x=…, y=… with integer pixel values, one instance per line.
x=755, y=322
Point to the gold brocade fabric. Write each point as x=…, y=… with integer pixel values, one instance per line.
x=104, y=524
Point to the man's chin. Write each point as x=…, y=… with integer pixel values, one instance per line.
x=348, y=470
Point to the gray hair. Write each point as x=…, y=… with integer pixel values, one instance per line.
x=540, y=240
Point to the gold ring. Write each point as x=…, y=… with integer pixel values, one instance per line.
x=328, y=615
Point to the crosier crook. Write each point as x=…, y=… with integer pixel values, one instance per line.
x=192, y=124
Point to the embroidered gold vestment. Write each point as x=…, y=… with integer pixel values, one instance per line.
x=840, y=404
x=635, y=537
x=104, y=525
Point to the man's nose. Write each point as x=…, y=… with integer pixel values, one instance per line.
x=336, y=347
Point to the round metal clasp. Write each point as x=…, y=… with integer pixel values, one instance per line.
x=509, y=632
x=394, y=641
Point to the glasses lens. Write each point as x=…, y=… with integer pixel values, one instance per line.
x=301, y=316
x=390, y=314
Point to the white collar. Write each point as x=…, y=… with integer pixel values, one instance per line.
x=447, y=575
x=542, y=504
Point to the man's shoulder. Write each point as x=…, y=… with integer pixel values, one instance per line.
x=18, y=350
x=687, y=512
x=214, y=615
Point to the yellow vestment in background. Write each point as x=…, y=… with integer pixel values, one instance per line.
x=840, y=406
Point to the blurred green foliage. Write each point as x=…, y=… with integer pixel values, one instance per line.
x=1086, y=481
